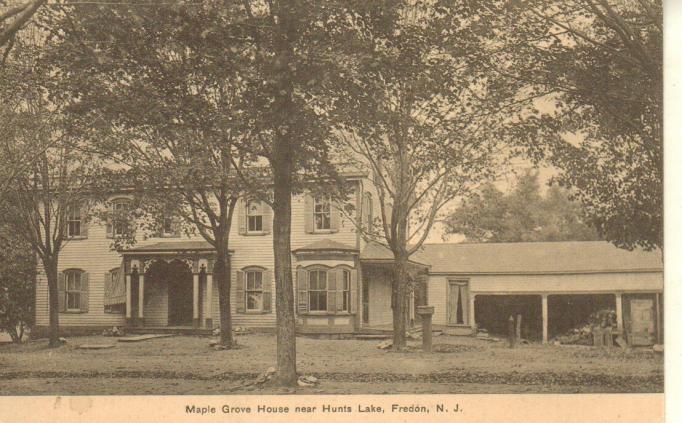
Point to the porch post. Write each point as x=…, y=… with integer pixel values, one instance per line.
x=140, y=299
x=129, y=300
x=472, y=314
x=209, y=301
x=545, y=319
x=195, y=302
x=619, y=312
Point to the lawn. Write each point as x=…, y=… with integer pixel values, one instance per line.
x=187, y=365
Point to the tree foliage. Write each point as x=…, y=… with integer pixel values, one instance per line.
x=520, y=215
x=419, y=110
x=17, y=284
x=597, y=69
x=58, y=172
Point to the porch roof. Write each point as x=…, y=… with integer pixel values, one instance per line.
x=527, y=258
x=171, y=247
x=325, y=245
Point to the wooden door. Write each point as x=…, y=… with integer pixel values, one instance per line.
x=642, y=322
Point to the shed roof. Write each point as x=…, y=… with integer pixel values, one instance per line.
x=527, y=257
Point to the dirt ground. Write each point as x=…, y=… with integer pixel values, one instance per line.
x=187, y=365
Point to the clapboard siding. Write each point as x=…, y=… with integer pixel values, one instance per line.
x=437, y=298
x=380, y=312
x=95, y=256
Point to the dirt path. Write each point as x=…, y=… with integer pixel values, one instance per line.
x=462, y=381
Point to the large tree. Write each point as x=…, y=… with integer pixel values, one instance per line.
x=58, y=180
x=418, y=109
x=171, y=98
x=521, y=214
x=597, y=68
x=276, y=67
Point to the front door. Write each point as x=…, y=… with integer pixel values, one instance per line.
x=458, y=303
x=642, y=323
x=180, y=301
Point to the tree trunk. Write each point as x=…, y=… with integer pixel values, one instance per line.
x=52, y=273
x=398, y=285
x=284, y=287
x=223, y=277
x=12, y=331
x=282, y=163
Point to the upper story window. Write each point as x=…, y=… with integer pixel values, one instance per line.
x=74, y=221
x=317, y=290
x=322, y=212
x=254, y=216
x=168, y=228
x=120, y=221
x=254, y=290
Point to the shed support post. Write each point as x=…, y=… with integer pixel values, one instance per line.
x=195, y=300
x=209, y=301
x=545, y=320
x=140, y=299
x=472, y=314
x=129, y=300
x=619, y=312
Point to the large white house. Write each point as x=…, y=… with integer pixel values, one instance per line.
x=341, y=282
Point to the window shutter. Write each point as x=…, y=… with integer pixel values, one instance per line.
x=110, y=227
x=367, y=216
x=334, y=216
x=157, y=229
x=108, y=286
x=84, y=222
x=241, y=216
x=267, y=219
x=241, y=299
x=308, y=214
x=353, y=290
x=302, y=285
x=331, y=290
x=176, y=226
x=61, y=288
x=85, y=290
x=339, y=290
x=267, y=291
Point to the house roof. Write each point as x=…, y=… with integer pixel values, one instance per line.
x=171, y=246
x=526, y=257
x=325, y=245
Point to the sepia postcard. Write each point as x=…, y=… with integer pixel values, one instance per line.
x=297, y=210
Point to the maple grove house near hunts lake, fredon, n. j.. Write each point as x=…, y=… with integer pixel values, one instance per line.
x=342, y=282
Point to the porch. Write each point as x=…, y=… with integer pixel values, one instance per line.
x=376, y=298
x=169, y=288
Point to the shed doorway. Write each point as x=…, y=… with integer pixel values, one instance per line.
x=492, y=314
